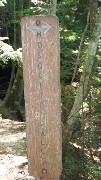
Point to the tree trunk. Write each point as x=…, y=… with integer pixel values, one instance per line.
x=86, y=74
x=93, y=8
x=15, y=91
x=14, y=25
x=53, y=7
x=6, y=99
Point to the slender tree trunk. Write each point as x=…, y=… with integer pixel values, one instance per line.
x=53, y=7
x=81, y=43
x=93, y=8
x=86, y=74
x=15, y=88
x=14, y=25
x=7, y=99
x=21, y=7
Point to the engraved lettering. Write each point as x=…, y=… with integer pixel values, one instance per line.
x=38, y=34
x=42, y=142
x=43, y=134
x=42, y=121
x=43, y=150
x=43, y=138
x=40, y=76
x=44, y=171
x=42, y=125
x=40, y=85
x=39, y=44
x=43, y=160
x=40, y=65
x=39, y=55
x=37, y=116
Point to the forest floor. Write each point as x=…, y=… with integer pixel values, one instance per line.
x=13, y=153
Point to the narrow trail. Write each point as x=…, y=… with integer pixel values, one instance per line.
x=13, y=151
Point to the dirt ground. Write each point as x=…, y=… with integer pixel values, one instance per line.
x=13, y=151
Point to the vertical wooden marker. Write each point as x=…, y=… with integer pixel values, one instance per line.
x=41, y=68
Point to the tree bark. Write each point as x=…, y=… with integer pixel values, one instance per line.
x=86, y=74
x=93, y=8
x=54, y=4
x=15, y=25
x=13, y=94
x=6, y=99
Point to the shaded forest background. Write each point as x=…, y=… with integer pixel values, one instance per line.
x=80, y=60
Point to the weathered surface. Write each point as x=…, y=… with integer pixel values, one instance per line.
x=40, y=40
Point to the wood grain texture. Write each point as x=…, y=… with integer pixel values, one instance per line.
x=41, y=69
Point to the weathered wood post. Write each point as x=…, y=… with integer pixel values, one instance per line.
x=41, y=69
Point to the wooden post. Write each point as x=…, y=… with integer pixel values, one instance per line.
x=41, y=69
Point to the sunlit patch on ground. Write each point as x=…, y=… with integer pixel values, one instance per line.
x=13, y=151
x=10, y=138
